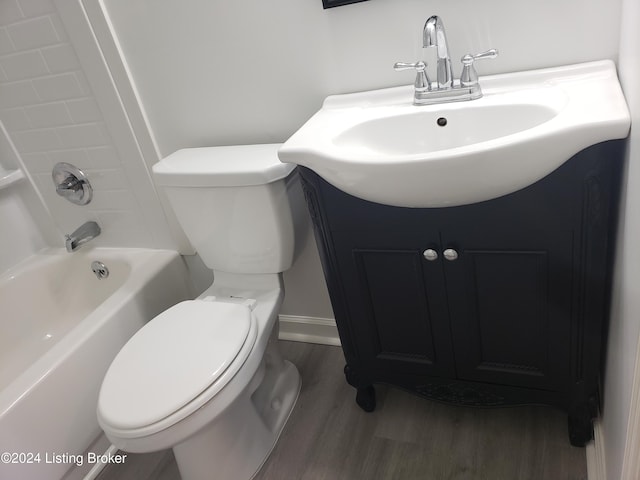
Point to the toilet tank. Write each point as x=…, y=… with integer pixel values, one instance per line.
x=233, y=205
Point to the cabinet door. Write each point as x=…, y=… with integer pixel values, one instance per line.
x=510, y=304
x=397, y=303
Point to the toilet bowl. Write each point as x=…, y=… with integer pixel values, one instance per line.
x=205, y=377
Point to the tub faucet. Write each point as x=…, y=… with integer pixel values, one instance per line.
x=433, y=35
x=84, y=233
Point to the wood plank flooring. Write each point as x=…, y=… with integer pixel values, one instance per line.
x=328, y=437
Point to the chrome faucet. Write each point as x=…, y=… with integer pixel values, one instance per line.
x=433, y=35
x=445, y=88
x=83, y=234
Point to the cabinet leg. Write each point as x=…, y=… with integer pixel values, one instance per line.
x=580, y=425
x=366, y=394
x=366, y=398
x=351, y=376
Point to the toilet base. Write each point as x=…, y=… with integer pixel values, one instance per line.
x=237, y=443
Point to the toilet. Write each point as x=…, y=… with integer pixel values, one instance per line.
x=205, y=377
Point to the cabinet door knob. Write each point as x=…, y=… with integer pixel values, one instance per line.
x=450, y=254
x=430, y=254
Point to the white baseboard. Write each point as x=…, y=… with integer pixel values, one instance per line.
x=596, y=466
x=309, y=330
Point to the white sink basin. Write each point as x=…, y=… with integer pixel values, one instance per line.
x=416, y=131
x=380, y=147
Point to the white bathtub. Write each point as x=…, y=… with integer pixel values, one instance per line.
x=60, y=328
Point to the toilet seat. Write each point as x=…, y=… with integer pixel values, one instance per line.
x=175, y=364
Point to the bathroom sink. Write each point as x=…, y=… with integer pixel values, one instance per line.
x=378, y=146
x=417, y=131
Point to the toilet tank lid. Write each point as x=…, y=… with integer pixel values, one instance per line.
x=229, y=166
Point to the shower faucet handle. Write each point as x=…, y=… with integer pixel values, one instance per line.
x=71, y=183
x=422, y=83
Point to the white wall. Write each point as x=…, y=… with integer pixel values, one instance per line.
x=216, y=73
x=625, y=319
x=219, y=73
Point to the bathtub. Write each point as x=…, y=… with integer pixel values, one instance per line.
x=60, y=328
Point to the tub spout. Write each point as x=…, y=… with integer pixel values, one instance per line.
x=86, y=232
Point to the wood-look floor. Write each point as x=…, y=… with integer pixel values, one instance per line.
x=328, y=437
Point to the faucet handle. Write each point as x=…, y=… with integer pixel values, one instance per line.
x=469, y=76
x=422, y=83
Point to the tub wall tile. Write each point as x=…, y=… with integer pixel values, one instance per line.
x=83, y=135
x=6, y=45
x=33, y=33
x=48, y=108
x=10, y=12
x=84, y=110
x=19, y=66
x=31, y=8
x=58, y=87
x=15, y=119
x=40, y=140
x=104, y=156
x=17, y=94
x=39, y=161
x=75, y=156
x=48, y=115
x=60, y=58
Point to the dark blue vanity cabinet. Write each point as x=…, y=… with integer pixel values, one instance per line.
x=501, y=302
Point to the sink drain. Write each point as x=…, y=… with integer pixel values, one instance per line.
x=442, y=121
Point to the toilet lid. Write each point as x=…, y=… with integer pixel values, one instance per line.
x=171, y=360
